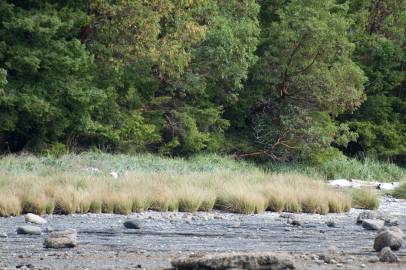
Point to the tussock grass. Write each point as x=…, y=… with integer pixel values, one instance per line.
x=63, y=186
x=365, y=198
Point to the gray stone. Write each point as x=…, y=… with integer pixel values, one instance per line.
x=295, y=221
x=249, y=261
x=389, y=237
x=366, y=215
x=3, y=235
x=391, y=221
x=373, y=259
x=331, y=223
x=387, y=255
x=373, y=224
x=132, y=224
x=61, y=239
x=28, y=229
x=34, y=219
x=330, y=256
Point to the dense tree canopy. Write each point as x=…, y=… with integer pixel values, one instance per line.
x=287, y=79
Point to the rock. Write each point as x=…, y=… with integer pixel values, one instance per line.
x=132, y=224
x=295, y=221
x=330, y=256
x=373, y=224
x=387, y=255
x=389, y=237
x=373, y=259
x=61, y=239
x=28, y=229
x=48, y=229
x=236, y=226
x=286, y=215
x=3, y=235
x=391, y=221
x=331, y=223
x=34, y=219
x=250, y=261
x=366, y=215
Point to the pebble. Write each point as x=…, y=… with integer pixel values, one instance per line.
x=331, y=223
x=132, y=224
x=28, y=229
x=32, y=218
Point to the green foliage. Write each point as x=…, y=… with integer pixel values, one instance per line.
x=341, y=167
x=285, y=79
x=380, y=28
x=305, y=75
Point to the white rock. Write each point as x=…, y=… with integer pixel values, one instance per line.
x=34, y=219
x=114, y=175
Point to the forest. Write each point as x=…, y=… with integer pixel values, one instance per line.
x=282, y=80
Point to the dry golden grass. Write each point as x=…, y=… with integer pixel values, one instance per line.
x=240, y=192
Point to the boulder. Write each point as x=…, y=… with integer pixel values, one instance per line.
x=34, y=219
x=373, y=224
x=249, y=261
x=28, y=229
x=132, y=224
x=387, y=255
x=61, y=239
x=389, y=237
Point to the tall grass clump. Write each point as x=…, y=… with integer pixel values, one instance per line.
x=67, y=185
x=365, y=198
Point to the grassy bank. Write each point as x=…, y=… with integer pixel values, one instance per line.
x=81, y=184
x=346, y=168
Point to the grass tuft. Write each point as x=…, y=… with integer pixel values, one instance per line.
x=365, y=199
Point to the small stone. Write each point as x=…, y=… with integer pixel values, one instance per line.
x=329, y=256
x=61, y=239
x=363, y=265
x=34, y=219
x=389, y=237
x=132, y=224
x=387, y=255
x=3, y=235
x=331, y=223
x=374, y=259
x=370, y=215
x=373, y=224
x=236, y=226
x=391, y=221
x=28, y=229
x=295, y=221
